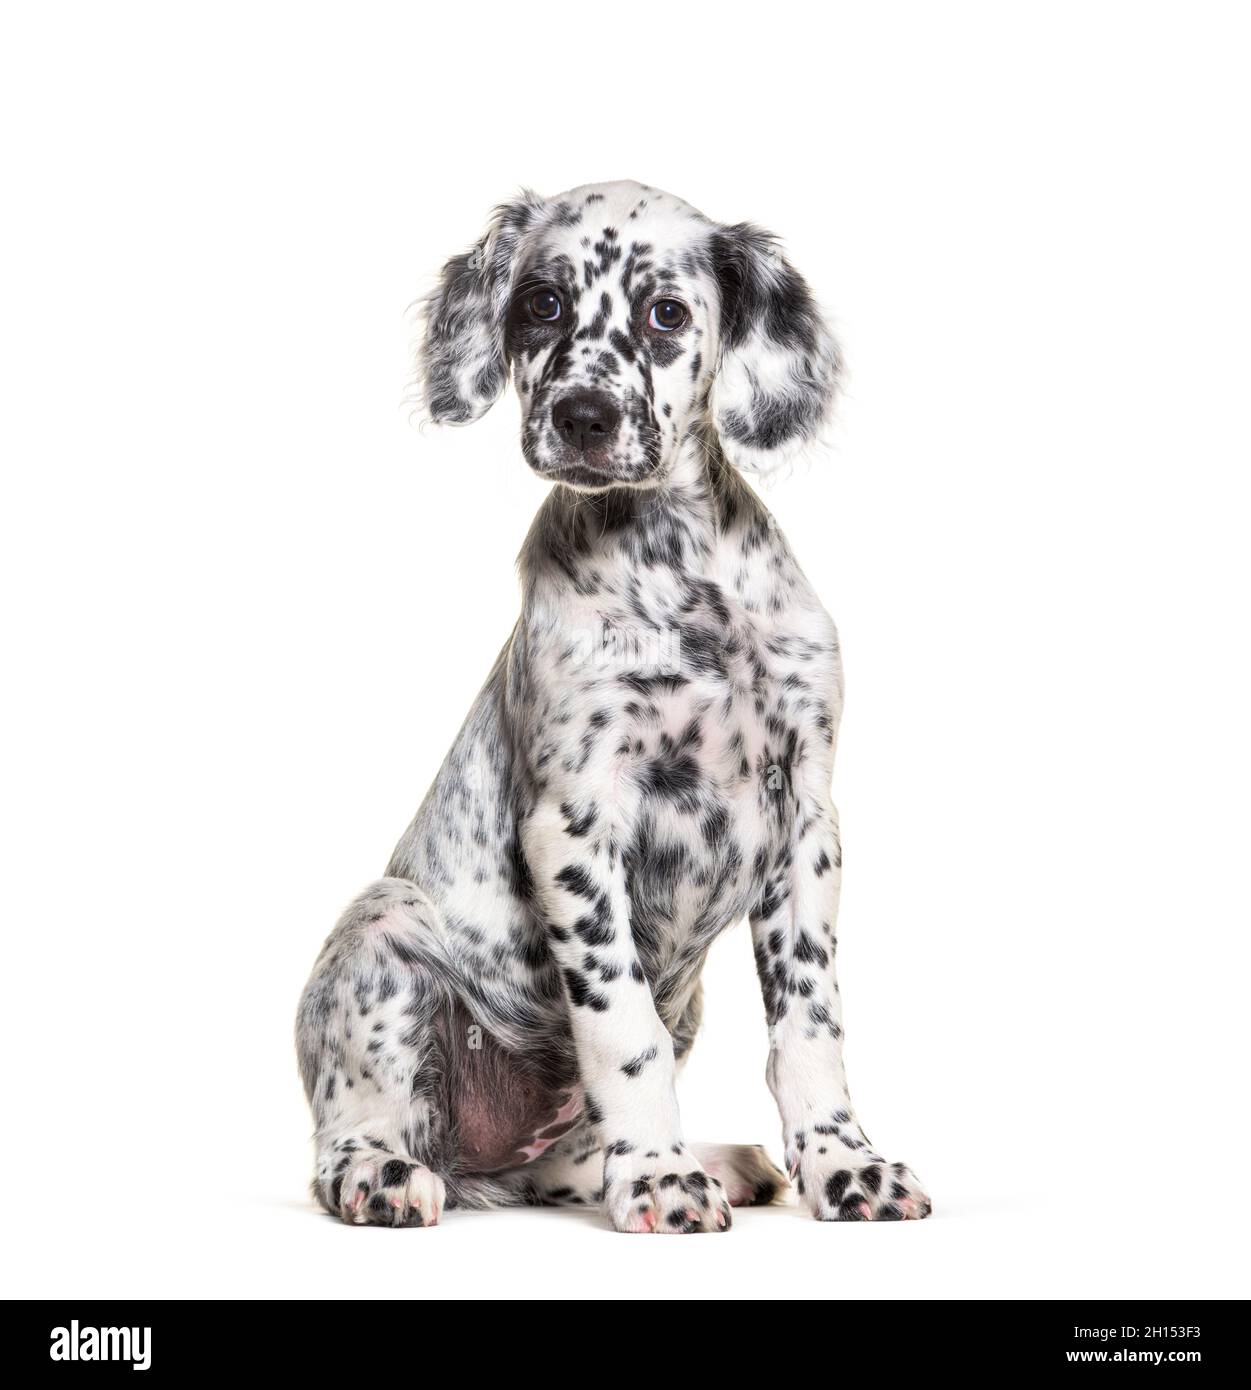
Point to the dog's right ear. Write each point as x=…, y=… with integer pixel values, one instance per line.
x=462, y=364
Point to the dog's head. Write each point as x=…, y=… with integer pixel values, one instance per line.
x=628, y=320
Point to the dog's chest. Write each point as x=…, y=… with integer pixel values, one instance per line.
x=712, y=730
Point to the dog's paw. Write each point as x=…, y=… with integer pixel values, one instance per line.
x=663, y=1192
x=379, y=1189
x=745, y=1171
x=839, y=1184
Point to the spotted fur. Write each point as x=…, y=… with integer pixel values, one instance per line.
x=500, y=1018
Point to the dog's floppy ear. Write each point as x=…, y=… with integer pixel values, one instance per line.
x=462, y=365
x=779, y=368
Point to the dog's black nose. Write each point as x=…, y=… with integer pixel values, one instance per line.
x=586, y=419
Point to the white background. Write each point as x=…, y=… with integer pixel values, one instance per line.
x=247, y=605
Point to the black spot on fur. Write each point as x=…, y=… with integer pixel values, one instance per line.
x=836, y=1188
x=636, y=1064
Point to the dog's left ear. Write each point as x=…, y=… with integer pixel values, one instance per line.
x=462, y=364
x=780, y=367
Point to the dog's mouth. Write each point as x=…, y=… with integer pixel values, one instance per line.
x=588, y=477
x=589, y=470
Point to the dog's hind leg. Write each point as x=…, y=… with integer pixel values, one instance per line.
x=746, y=1172
x=372, y=1060
x=573, y=1174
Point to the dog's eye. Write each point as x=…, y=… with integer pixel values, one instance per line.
x=667, y=314
x=546, y=306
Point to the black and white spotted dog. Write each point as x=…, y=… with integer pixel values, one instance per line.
x=500, y=1018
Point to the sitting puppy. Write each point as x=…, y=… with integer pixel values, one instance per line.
x=500, y=1018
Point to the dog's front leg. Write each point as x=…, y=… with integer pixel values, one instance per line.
x=652, y=1181
x=793, y=930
